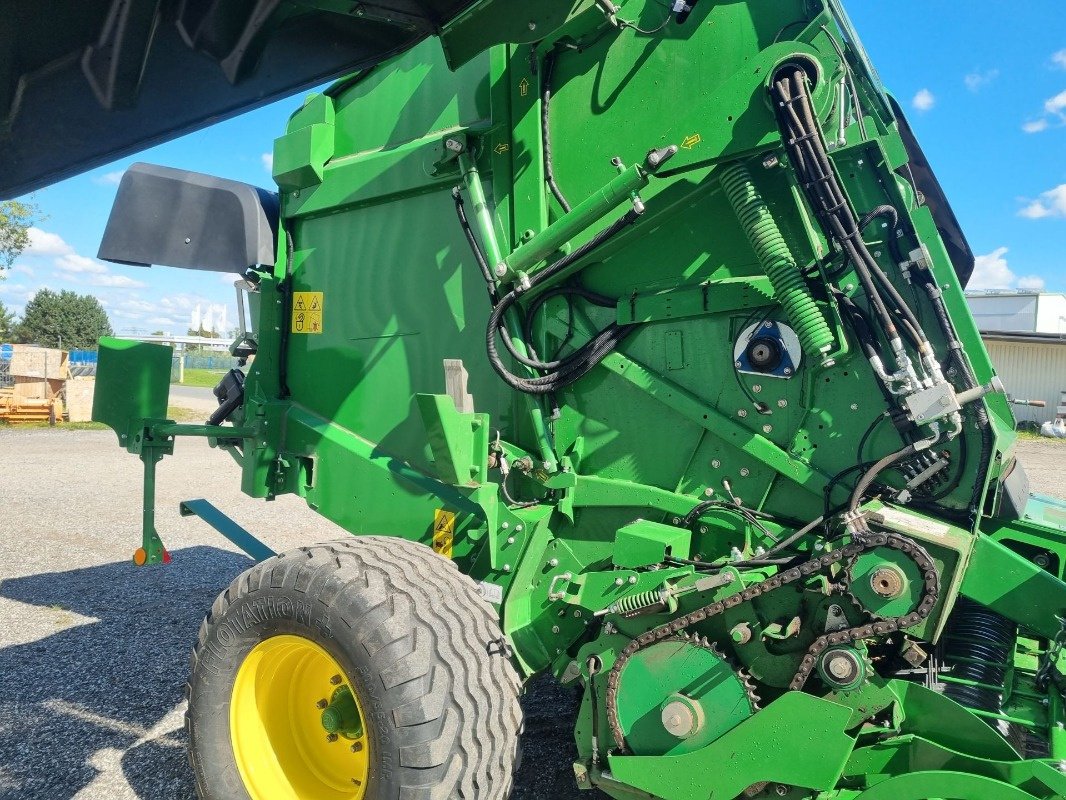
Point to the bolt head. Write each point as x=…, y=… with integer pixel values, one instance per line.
x=510, y=540
x=632, y=579
x=767, y=428
x=336, y=680
x=716, y=464
x=555, y=628
x=501, y=270
x=742, y=413
x=321, y=704
x=854, y=406
x=744, y=472
x=506, y=567
x=757, y=388
x=839, y=667
x=553, y=563
x=331, y=737
x=357, y=747
x=619, y=582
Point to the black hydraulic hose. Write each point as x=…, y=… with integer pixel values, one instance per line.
x=545, y=130
x=564, y=371
x=475, y=247
x=807, y=147
x=893, y=227
x=970, y=380
x=871, y=474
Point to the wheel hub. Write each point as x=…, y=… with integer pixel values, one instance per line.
x=296, y=725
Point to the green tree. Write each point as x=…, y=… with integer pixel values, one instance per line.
x=64, y=319
x=15, y=221
x=7, y=323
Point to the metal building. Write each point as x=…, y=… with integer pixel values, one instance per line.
x=1025, y=333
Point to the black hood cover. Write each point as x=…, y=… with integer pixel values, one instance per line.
x=83, y=82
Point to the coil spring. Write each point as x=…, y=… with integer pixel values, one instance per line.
x=633, y=603
x=775, y=257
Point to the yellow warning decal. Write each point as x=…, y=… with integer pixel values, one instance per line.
x=443, y=532
x=307, y=312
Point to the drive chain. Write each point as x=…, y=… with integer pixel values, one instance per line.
x=881, y=627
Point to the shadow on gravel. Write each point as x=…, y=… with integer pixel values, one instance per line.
x=76, y=700
x=86, y=703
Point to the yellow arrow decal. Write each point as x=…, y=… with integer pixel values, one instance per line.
x=691, y=141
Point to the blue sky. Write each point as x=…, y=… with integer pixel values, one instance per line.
x=985, y=90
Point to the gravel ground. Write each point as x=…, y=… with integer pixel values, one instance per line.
x=93, y=652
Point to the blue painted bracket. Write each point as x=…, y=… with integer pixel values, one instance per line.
x=227, y=527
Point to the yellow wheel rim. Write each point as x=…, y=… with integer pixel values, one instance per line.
x=283, y=748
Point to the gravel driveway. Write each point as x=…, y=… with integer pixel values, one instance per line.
x=93, y=652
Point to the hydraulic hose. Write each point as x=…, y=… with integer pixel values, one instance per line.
x=776, y=259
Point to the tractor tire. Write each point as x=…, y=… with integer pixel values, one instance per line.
x=381, y=621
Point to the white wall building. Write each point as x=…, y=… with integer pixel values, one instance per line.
x=1019, y=312
x=1025, y=333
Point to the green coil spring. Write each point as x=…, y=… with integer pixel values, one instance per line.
x=636, y=602
x=803, y=314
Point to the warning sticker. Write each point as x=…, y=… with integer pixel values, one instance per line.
x=307, y=312
x=443, y=532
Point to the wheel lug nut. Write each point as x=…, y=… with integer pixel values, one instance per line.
x=331, y=737
x=322, y=704
x=335, y=680
x=357, y=747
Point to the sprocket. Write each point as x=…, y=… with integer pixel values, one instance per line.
x=681, y=694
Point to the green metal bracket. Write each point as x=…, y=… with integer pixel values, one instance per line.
x=729, y=294
x=642, y=542
x=895, y=765
x=300, y=155
x=227, y=527
x=1015, y=587
x=460, y=442
x=762, y=748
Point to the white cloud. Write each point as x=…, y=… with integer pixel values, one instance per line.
x=109, y=178
x=74, y=263
x=43, y=243
x=991, y=271
x=1054, y=111
x=1059, y=59
x=268, y=161
x=116, y=282
x=976, y=81
x=1056, y=104
x=1032, y=283
x=924, y=100
x=1051, y=203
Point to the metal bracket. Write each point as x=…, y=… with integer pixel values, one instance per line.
x=227, y=527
